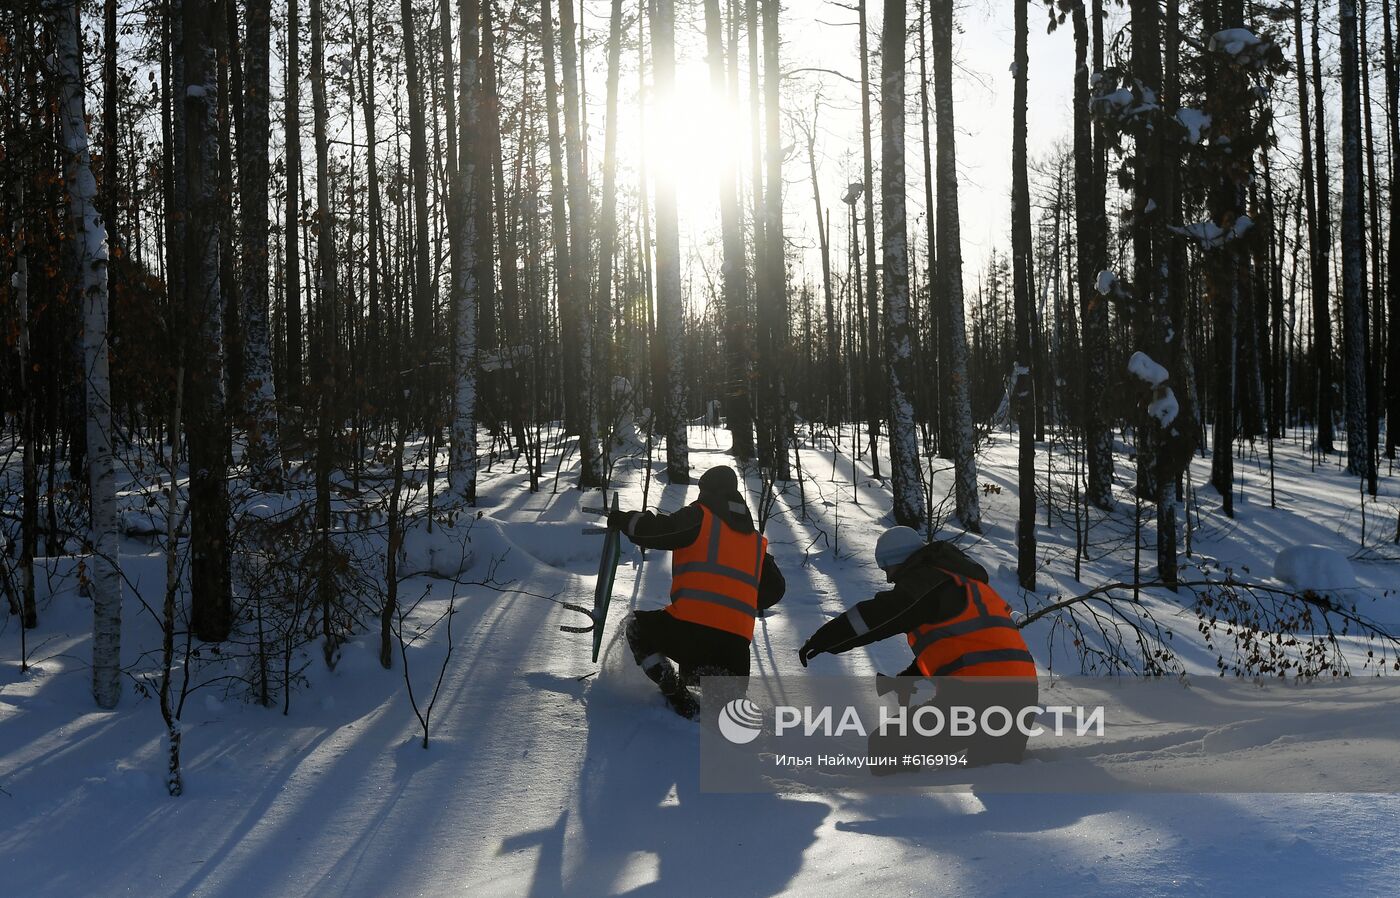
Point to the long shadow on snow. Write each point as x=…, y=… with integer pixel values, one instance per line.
x=636, y=758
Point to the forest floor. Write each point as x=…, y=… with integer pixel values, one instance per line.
x=547, y=774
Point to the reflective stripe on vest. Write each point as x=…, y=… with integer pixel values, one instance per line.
x=714, y=580
x=981, y=641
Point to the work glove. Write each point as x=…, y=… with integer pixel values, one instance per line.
x=618, y=520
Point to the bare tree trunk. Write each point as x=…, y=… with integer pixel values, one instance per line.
x=1322, y=251
x=580, y=225
x=933, y=309
x=607, y=226
x=1170, y=416
x=374, y=326
x=907, y=485
x=670, y=324
x=1392, y=279
x=206, y=428
x=29, y=431
x=953, y=339
x=1023, y=383
x=291, y=300
x=772, y=295
x=423, y=285
x=734, y=273
x=1375, y=299
x=327, y=333
x=832, y=379
x=264, y=453
x=1092, y=228
x=90, y=249
x=873, y=380
x=462, y=463
x=1354, y=312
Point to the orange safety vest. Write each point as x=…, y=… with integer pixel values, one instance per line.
x=714, y=580
x=982, y=641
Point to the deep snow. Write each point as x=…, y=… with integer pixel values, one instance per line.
x=550, y=775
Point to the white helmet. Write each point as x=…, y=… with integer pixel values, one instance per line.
x=895, y=545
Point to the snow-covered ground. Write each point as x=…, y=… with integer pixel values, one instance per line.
x=550, y=775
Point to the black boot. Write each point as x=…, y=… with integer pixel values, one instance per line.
x=662, y=672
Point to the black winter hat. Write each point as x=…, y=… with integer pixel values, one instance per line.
x=719, y=480
x=719, y=492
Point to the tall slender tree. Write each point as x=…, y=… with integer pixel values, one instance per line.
x=670, y=323
x=1392, y=271
x=462, y=463
x=734, y=273
x=259, y=394
x=580, y=228
x=1354, y=312
x=1322, y=252
x=906, y=482
x=607, y=217
x=949, y=278
x=291, y=214
x=873, y=381
x=1091, y=226
x=1023, y=392
x=211, y=600
x=89, y=248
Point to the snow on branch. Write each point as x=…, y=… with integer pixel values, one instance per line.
x=1146, y=370
x=1164, y=407
x=1209, y=235
x=1196, y=123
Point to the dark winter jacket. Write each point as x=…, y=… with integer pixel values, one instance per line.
x=676, y=531
x=922, y=593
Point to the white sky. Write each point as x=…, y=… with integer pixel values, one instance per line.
x=814, y=36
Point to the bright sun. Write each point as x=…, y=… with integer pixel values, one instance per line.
x=692, y=139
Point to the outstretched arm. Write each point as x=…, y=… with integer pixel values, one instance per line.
x=659, y=531
x=889, y=613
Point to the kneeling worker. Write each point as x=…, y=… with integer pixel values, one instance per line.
x=722, y=577
x=960, y=631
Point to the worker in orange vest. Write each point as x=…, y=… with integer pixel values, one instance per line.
x=959, y=630
x=722, y=578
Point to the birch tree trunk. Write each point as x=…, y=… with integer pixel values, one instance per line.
x=906, y=484
x=205, y=428
x=670, y=323
x=461, y=471
x=953, y=339
x=90, y=248
x=260, y=399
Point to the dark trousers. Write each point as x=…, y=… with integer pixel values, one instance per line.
x=656, y=639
